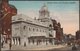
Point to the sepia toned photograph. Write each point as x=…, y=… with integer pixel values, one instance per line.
x=39, y=25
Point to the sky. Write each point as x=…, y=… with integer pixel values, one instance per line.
x=65, y=12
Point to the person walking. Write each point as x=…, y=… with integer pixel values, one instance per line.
x=24, y=44
x=10, y=46
x=74, y=48
x=2, y=44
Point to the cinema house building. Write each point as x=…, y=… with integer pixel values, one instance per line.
x=26, y=30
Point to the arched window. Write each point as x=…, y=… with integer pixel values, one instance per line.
x=24, y=27
x=33, y=29
x=50, y=25
x=29, y=29
x=50, y=35
x=37, y=29
x=40, y=30
x=43, y=31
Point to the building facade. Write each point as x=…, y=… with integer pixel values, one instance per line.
x=59, y=30
x=33, y=31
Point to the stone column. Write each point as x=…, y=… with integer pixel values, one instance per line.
x=46, y=42
x=43, y=41
x=31, y=41
x=15, y=41
x=37, y=42
x=18, y=40
x=27, y=41
x=12, y=40
x=53, y=41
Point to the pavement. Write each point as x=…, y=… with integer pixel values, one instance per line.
x=63, y=49
x=39, y=48
x=5, y=47
x=32, y=47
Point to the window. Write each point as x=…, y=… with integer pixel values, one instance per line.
x=40, y=30
x=37, y=29
x=43, y=30
x=29, y=29
x=16, y=28
x=33, y=29
x=24, y=27
x=50, y=35
x=50, y=25
x=19, y=18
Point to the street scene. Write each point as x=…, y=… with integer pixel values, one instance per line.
x=39, y=25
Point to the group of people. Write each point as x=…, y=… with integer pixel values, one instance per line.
x=73, y=45
x=2, y=44
x=74, y=48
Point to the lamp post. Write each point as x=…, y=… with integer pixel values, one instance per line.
x=0, y=28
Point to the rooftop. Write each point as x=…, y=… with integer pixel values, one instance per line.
x=22, y=17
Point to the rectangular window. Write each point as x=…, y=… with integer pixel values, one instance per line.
x=29, y=29
x=33, y=29
x=16, y=28
x=37, y=29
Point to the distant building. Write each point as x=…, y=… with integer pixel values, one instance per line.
x=77, y=35
x=33, y=31
x=69, y=39
x=59, y=30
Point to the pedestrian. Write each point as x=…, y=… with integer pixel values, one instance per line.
x=74, y=48
x=10, y=46
x=24, y=44
x=2, y=43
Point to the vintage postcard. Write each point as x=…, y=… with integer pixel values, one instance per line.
x=39, y=25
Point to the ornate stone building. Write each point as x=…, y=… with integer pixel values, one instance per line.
x=33, y=31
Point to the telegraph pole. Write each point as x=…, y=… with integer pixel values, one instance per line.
x=0, y=23
x=78, y=32
x=79, y=17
